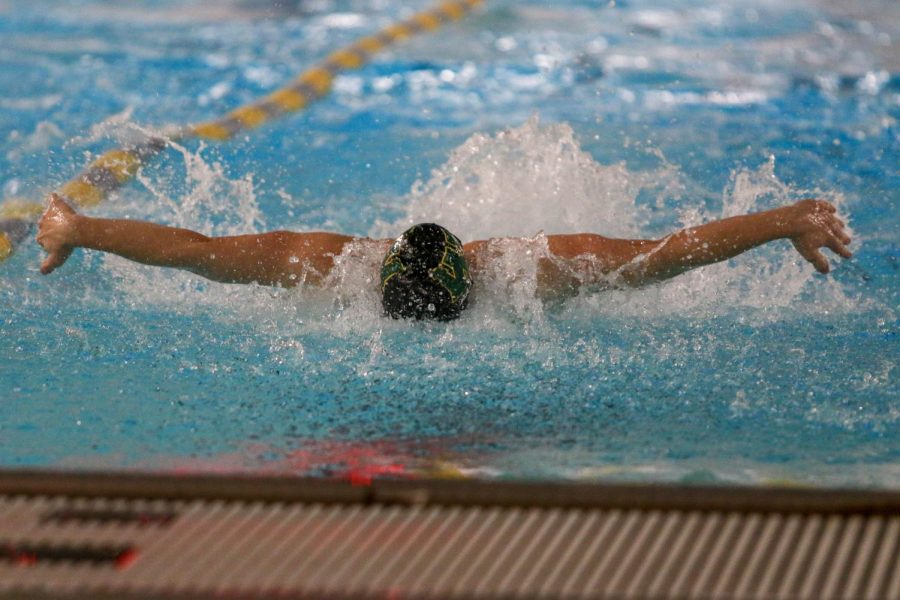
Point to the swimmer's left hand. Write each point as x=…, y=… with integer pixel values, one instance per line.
x=812, y=225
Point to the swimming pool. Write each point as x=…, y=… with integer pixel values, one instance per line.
x=628, y=118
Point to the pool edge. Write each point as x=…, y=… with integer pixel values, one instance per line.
x=440, y=492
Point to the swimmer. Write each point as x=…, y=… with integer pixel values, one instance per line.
x=427, y=272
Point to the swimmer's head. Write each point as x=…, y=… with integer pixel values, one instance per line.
x=425, y=275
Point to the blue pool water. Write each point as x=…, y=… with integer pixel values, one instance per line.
x=630, y=118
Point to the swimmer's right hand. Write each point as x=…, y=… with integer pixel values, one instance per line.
x=56, y=233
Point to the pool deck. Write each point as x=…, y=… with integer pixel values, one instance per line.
x=67, y=534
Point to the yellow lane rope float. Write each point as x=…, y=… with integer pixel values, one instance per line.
x=116, y=167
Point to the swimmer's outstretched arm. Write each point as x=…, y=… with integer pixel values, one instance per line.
x=809, y=224
x=274, y=258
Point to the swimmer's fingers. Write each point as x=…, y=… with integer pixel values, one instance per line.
x=819, y=261
x=837, y=228
x=58, y=206
x=839, y=239
x=810, y=249
x=46, y=236
x=55, y=260
x=838, y=248
x=814, y=256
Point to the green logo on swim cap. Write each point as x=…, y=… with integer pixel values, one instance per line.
x=393, y=264
x=453, y=272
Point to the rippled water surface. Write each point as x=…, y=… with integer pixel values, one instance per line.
x=629, y=119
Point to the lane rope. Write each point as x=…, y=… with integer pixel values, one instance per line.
x=117, y=167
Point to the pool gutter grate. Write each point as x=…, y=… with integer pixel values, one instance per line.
x=75, y=536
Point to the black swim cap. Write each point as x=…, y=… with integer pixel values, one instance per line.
x=425, y=275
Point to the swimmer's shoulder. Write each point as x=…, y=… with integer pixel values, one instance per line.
x=476, y=253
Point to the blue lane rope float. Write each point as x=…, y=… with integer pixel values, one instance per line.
x=117, y=167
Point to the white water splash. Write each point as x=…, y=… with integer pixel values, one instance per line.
x=519, y=183
x=523, y=181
